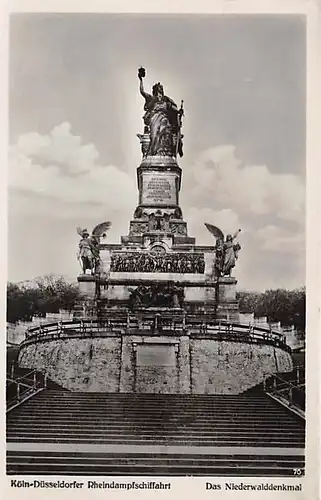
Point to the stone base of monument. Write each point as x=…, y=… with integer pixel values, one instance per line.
x=201, y=293
x=179, y=364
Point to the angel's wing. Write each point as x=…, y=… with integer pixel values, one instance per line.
x=215, y=231
x=101, y=228
x=80, y=231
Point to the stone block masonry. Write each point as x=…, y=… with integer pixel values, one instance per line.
x=134, y=363
x=91, y=365
x=233, y=367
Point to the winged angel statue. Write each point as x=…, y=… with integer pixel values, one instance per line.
x=226, y=251
x=88, y=254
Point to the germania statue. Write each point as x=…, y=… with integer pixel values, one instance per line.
x=88, y=255
x=162, y=120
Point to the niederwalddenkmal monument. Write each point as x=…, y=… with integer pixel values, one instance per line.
x=159, y=313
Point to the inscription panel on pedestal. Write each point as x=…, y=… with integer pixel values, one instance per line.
x=156, y=355
x=159, y=188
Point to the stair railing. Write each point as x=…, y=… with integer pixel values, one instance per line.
x=285, y=392
x=26, y=387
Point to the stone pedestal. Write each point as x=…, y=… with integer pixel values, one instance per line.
x=159, y=182
x=226, y=289
x=87, y=286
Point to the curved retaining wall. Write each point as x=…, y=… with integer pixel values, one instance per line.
x=134, y=363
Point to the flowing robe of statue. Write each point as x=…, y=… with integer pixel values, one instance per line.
x=85, y=253
x=94, y=247
x=160, y=126
x=230, y=254
x=229, y=257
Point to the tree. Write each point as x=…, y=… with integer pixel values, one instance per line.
x=286, y=306
x=248, y=301
x=47, y=295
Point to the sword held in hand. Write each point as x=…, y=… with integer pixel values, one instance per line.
x=180, y=114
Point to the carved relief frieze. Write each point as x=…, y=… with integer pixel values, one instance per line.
x=157, y=262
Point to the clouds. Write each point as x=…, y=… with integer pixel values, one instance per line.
x=268, y=207
x=226, y=219
x=247, y=188
x=275, y=239
x=58, y=165
x=84, y=68
x=57, y=182
x=59, y=147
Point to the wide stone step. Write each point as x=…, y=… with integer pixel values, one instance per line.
x=36, y=405
x=135, y=470
x=158, y=459
x=251, y=419
x=151, y=396
x=229, y=416
x=188, y=441
x=22, y=424
x=161, y=464
x=153, y=433
x=145, y=409
x=210, y=400
x=158, y=406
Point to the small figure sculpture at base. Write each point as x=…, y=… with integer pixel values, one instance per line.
x=160, y=295
x=226, y=252
x=88, y=254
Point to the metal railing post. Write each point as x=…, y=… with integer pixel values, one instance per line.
x=34, y=380
x=18, y=392
x=45, y=380
x=274, y=383
x=297, y=375
x=12, y=369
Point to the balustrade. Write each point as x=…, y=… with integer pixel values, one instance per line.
x=126, y=324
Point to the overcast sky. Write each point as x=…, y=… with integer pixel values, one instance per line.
x=75, y=111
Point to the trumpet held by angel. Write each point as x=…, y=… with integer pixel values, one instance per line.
x=227, y=250
x=88, y=254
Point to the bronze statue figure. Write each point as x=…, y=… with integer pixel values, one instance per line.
x=168, y=294
x=231, y=251
x=226, y=252
x=88, y=254
x=162, y=121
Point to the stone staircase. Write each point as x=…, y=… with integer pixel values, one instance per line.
x=60, y=432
